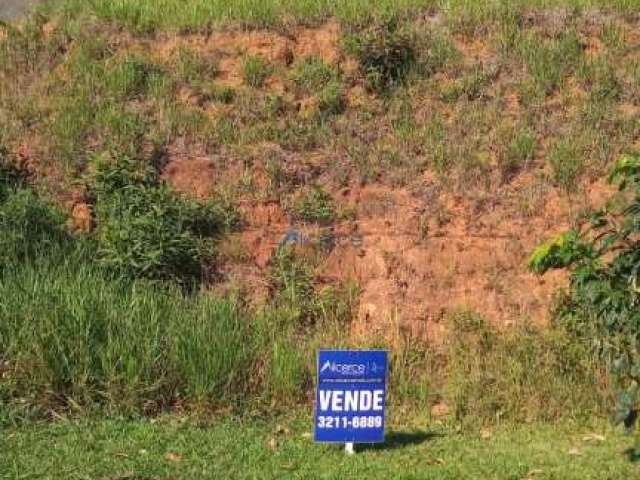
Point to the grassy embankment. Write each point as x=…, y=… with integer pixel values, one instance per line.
x=120, y=319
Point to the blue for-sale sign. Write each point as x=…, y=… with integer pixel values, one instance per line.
x=350, y=398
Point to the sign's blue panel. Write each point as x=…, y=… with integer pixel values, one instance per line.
x=350, y=398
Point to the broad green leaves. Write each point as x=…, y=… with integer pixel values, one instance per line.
x=603, y=303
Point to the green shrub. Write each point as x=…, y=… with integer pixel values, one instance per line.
x=313, y=74
x=28, y=226
x=315, y=205
x=386, y=54
x=255, y=71
x=602, y=306
x=147, y=230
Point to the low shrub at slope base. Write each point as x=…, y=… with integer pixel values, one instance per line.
x=603, y=303
x=27, y=223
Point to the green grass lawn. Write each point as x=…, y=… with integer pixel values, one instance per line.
x=174, y=448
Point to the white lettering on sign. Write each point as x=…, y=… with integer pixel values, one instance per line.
x=351, y=400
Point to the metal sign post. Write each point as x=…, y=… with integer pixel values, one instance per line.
x=351, y=397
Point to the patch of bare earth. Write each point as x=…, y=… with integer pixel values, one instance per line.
x=417, y=254
x=229, y=48
x=190, y=171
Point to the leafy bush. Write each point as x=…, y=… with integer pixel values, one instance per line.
x=147, y=230
x=315, y=205
x=603, y=303
x=28, y=224
x=386, y=53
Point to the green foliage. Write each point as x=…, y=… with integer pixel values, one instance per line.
x=313, y=74
x=566, y=165
x=315, y=205
x=603, y=303
x=558, y=252
x=74, y=337
x=147, y=230
x=518, y=154
x=255, y=71
x=28, y=225
x=386, y=53
x=521, y=374
x=191, y=67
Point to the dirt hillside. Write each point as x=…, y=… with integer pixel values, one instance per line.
x=441, y=188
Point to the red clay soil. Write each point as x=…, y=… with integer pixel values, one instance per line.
x=416, y=255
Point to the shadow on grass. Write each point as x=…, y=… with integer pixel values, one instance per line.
x=396, y=440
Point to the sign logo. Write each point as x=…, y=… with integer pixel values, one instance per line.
x=344, y=368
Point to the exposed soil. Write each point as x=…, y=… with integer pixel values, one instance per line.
x=417, y=255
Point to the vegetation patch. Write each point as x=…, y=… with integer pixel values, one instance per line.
x=146, y=230
x=386, y=52
x=601, y=306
